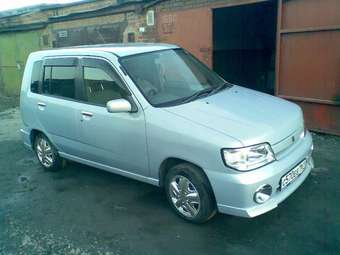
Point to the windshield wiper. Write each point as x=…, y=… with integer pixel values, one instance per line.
x=221, y=87
x=198, y=94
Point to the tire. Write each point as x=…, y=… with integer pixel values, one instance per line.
x=47, y=154
x=189, y=193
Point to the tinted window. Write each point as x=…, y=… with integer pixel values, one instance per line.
x=101, y=85
x=46, y=80
x=60, y=81
x=36, y=76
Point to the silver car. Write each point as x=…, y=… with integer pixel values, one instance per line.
x=154, y=113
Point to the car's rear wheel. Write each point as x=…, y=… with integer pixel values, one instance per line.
x=47, y=153
x=189, y=193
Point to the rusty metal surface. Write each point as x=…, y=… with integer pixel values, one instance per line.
x=308, y=60
x=190, y=29
x=310, y=13
x=309, y=66
x=321, y=117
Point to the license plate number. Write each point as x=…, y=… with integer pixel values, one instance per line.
x=289, y=177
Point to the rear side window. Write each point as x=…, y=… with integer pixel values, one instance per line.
x=60, y=81
x=35, y=78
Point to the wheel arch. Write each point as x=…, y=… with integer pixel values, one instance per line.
x=33, y=134
x=168, y=163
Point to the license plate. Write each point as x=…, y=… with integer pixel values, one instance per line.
x=289, y=177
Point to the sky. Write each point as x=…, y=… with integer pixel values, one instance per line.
x=13, y=4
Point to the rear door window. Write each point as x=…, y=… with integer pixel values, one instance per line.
x=60, y=81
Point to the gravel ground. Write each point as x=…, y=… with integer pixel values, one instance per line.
x=82, y=210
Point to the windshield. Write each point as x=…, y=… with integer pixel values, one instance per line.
x=169, y=77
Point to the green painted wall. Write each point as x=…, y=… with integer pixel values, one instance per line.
x=14, y=50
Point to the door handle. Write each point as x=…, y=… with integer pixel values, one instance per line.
x=41, y=104
x=87, y=114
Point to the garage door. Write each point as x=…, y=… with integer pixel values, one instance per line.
x=190, y=29
x=308, y=60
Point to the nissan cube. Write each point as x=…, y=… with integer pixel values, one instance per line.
x=154, y=113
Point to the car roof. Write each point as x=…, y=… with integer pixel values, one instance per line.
x=122, y=49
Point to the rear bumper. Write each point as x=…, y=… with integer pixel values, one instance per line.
x=25, y=135
x=234, y=193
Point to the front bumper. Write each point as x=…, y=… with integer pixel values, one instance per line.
x=234, y=193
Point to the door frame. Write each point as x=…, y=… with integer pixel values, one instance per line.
x=226, y=5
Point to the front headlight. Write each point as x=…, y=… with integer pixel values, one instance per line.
x=248, y=158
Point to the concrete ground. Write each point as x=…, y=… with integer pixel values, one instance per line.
x=82, y=210
x=8, y=102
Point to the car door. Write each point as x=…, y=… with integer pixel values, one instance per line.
x=117, y=140
x=55, y=102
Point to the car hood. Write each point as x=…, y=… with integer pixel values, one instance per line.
x=249, y=116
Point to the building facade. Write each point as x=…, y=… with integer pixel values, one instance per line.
x=288, y=48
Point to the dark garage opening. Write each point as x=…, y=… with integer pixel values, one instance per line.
x=244, y=39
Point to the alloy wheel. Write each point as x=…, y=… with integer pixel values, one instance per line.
x=184, y=196
x=45, y=152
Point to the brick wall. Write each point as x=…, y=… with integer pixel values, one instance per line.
x=43, y=15
x=173, y=5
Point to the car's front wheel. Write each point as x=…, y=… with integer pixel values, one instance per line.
x=47, y=153
x=189, y=193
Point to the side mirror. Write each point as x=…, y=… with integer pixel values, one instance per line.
x=118, y=105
